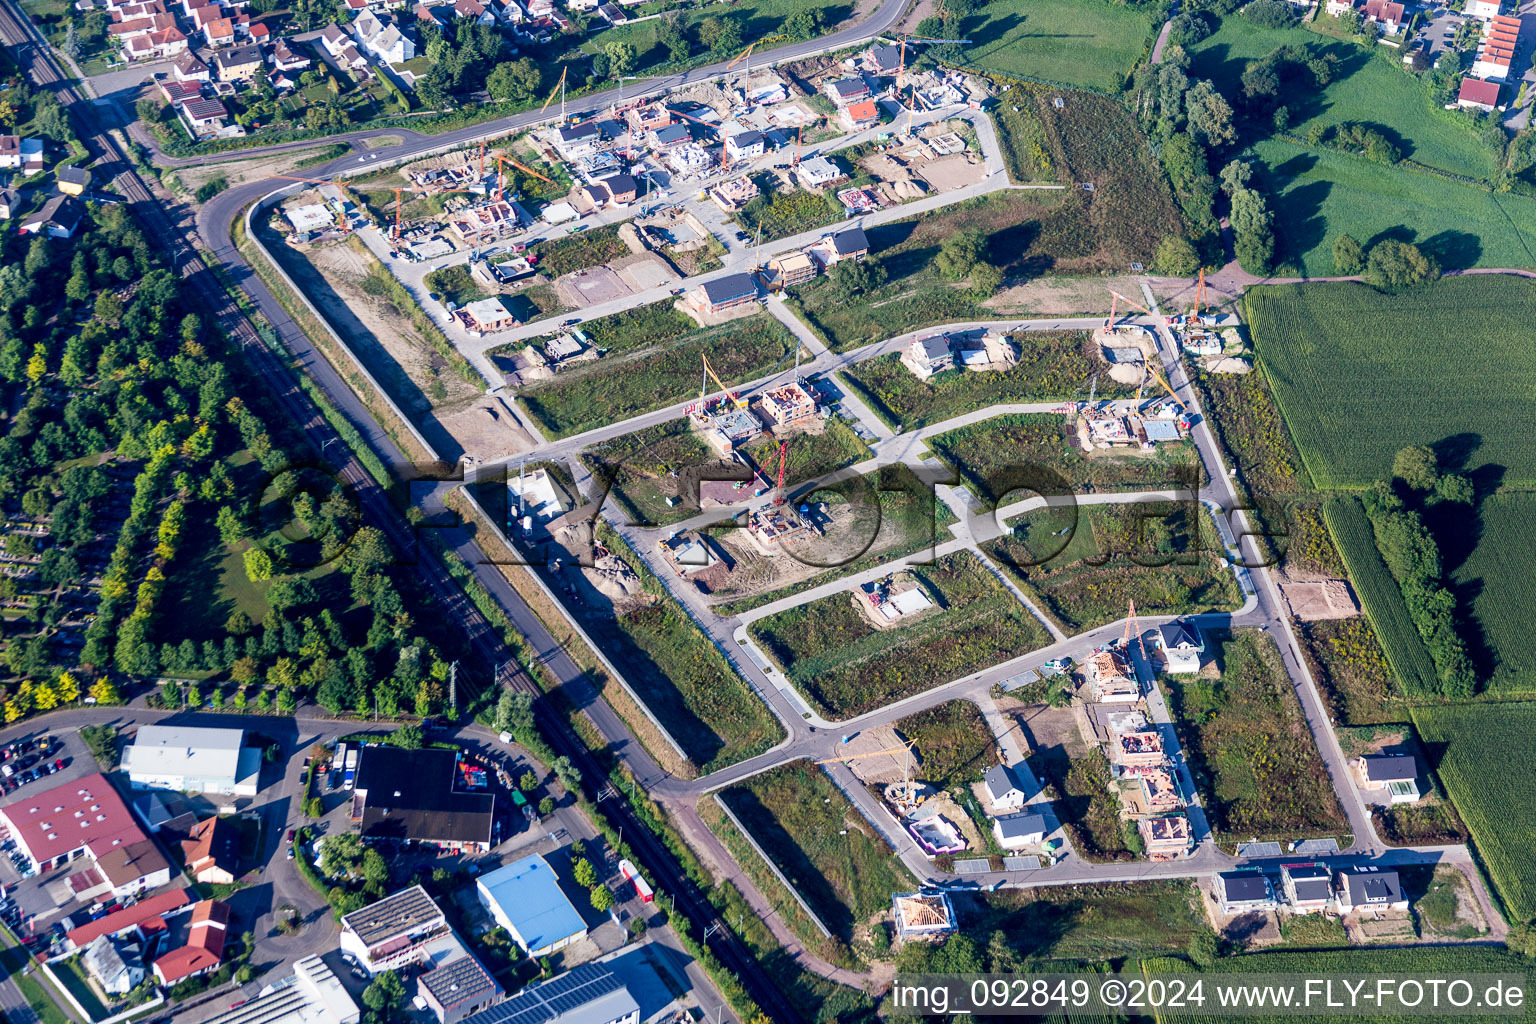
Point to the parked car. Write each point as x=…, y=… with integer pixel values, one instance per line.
x=292, y=835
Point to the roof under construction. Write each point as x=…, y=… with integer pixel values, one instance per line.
x=923, y=913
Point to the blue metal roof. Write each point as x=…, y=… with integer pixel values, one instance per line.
x=529, y=895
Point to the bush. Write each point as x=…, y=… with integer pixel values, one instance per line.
x=1176, y=257
x=1270, y=13
x=1189, y=28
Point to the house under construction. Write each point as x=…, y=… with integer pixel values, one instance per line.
x=922, y=915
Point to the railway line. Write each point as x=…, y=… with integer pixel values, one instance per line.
x=35, y=59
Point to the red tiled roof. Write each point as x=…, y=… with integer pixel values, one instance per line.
x=205, y=943
x=863, y=111
x=1476, y=90
x=140, y=914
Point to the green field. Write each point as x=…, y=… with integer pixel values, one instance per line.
x=638, y=469
x=1363, y=89
x=829, y=853
x=1162, y=556
x=845, y=666
x=1486, y=771
x=760, y=20
x=1353, y=393
x=614, y=389
x=1497, y=585
x=1380, y=597
x=952, y=742
x=1325, y=194
x=1093, y=922
x=1086, y=43
x=1052, y=366
x=1249, y=748
x=1006, y=458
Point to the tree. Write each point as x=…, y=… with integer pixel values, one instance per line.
x=1210, y=116
x=583, y=872
x=1176, y=257
x=1522, y=939
x=385, y=993
x=342, y=853
x=1455, y=488
x=1235, y=175
x=516, y=80
x=856, y=277
x=1395, y=264
x=408, y=737
x=804, y=24
x=514, y=711
x=568, y=774
x=622, y=58
x=527, y=782
x=959, y=253
x=1254, y=240
x=600, y=67
x=986, y=279
x=104, y=692
x=1348, y=255
x=547, y=805
x=602, y=899
x=258, y=565
x=1417, y=467
x=720, y=34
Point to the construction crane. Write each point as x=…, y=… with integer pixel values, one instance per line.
x=1133, y=626
x=501, y=173
x=743, y=55
x=395, y=234
x=783, y=456
x=906, y=772
x=901, y=67
x=1158, y=376
x=560, y=88
x=710, y=375
x=1118, y=298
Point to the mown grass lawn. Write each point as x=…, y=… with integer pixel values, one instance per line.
x=1086, y=43
x=826, y=849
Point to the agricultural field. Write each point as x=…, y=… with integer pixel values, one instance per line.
x=680, y=675
x=1249, y=748
x=1326, y=194
x=799, y=817
x=1093, y=922
x=638, y=328
x=1485, y=768
x=616, y=388
x=1052, y=366
x=1089, y=44
x=1495, y=585
x=953, y=745
x=1008, y=456
x=1363, y=89
x=845, y=666
x=910, y=519
x=809, y=456
x=1164, y=556
x=1352, y=395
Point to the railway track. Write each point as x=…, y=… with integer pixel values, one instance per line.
x=35, y=58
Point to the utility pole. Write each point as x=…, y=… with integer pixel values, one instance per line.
x=453, y=686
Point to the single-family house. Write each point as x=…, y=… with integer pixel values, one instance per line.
x=786, y=406
x=204, y=117
x=436, y=14
x=1241, y=892
x=21, y=154
x=670, y=136
x=650, y=117
x=1003, y=790
x=1016, y=831
x=1166, y=837
x=791, y=269
x=486, y=316
x=612, y=14
x=212, y=851
x=156, y=45
x=1181, y=644
x=1475, y=92
x=258, y=33
x=860, y=115
x=243, y=63
x=1133, y=742
x=1386, y=13
x=59, y=218
x=748, y=145
x=1368, y=890
x=115, y=962
x=577, y=141
x=285, y=58
x=844, y=91
x=883, y=59
x=334, y=39
x=928, y=356
x=1306, y=887
x=726, y=293
x=381, y=39
x=850, y=244
x=819, y=172
x=10, y=203
x=622, y=188
x=205, y=945
x=176, y=93
x=1394, y=775
x=219, y=32
x=73, y=180
x=1110, y=679
x=188, y=67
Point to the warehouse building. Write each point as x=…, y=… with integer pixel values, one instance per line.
x=193, y=760
x=524, y=897
x=589, y=994
x=312, y=994
x=86, y=819
x=416, y=796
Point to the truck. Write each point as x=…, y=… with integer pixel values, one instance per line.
x=351, y=768
x=631, y=874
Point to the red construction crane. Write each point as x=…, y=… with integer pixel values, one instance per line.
x=395, y=234
x=783, y=457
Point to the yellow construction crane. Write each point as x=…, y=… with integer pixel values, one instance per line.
x=710, y=375
x=1157, y=375
x=559, y=88
x=743, y=55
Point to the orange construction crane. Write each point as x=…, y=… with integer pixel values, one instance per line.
x=501, y=173
x=482, y=158
x=783, y=456
x=1129, y=302
x=906, y=774
x=742, y=56
x=1132, y=625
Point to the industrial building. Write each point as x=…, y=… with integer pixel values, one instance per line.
x=589, y=994
x=416, y=796
x=312, y=994
x=86, y=819
x=394, y=931
x=524, y=897
x=145, y=917
x=459, y=988
x=192, y=760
